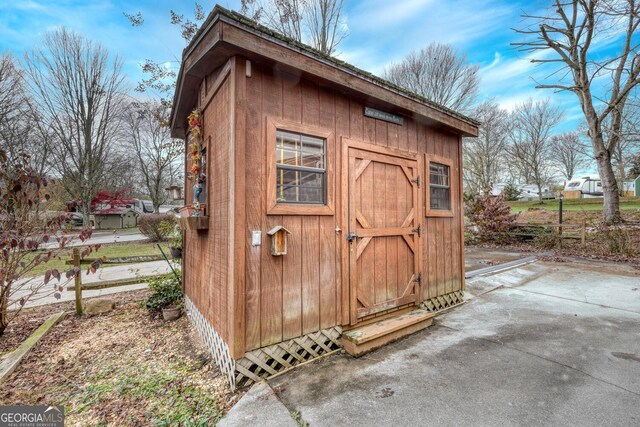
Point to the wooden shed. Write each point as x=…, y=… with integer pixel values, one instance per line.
x=114, y=218
x=329, y=202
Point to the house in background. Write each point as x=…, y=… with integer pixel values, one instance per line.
x=632, y=188
x=333, y=210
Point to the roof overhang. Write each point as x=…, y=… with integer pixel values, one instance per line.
x=225, y=34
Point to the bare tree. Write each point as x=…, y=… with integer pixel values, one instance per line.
x=440, y=74
x=316, y=22
x=484, y=156
x=80, y=91
x=156, y=152
x=530, y=140
x=324, y=22
x=629, y=138
x=284, y=16
x=568, y=152
x=20, y=128
x=570, y=31
x=159, y=79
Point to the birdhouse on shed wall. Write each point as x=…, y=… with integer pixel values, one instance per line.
x=278, y=240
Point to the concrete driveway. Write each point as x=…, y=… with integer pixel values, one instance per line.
x=544, y=344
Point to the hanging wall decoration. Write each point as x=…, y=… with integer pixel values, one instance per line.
x=197, y=174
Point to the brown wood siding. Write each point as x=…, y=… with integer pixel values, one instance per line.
x=207, y=274
x=303, y=291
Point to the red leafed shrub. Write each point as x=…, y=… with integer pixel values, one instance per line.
x=157, y=227
x=489, y=216
x=28, y=238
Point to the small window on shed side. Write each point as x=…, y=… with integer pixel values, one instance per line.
x=439, y=186
x=439, y=190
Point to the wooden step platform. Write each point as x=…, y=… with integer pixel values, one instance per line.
x=361, y=340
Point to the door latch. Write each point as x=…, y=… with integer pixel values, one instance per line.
x=418, y=279
x=351, y=236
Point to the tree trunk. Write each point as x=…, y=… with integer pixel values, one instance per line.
x=85, y=209
x=609, y=188
x=4, y=318
x=621, y=177
x=540, y=193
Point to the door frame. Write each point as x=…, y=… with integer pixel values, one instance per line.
x=349, y=311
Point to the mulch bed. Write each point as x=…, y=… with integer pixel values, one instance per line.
x=31, y=318
x=125, y=367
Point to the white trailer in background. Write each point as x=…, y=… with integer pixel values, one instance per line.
x=583, y=188
x=527, y=191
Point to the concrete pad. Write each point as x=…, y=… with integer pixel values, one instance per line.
x=476, y=258
x=258, y=407
x=508, y=357
x=595, y=283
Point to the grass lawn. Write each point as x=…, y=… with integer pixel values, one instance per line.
x=109, y=251
x=574, y=204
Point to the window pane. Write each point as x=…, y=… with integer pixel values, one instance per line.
x=288, y=140
x=439, y=174
x=312, y=152
x=439, y=198
x=313, y=161
x=296, y=154
x=300, y=187
x=288, y=157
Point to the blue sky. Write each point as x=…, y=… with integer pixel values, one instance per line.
x=380, y=32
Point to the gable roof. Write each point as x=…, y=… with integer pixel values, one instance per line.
x=464, y=124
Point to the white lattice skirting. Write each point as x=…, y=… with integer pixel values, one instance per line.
x=443, y=301
x=219, y=349
x=266, y=362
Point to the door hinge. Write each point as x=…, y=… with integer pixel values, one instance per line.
x=416, y=181
x=416, y=230
x=418, y=279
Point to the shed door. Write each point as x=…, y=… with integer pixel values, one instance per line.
x=384, y=214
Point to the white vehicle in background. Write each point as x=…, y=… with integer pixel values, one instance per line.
x=529, y=192
x=142, y=206
x=587, y=186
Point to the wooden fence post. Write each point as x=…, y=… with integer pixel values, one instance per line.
x=78, y=280
x=583, y=234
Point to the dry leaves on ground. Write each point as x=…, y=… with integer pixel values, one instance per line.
x=122, y=368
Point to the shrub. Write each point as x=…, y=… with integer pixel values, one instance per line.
x=511, y=193
x=548, y=240
x=174, y=234
x=615, y=239
x=157, y=227
x=490, y=216
x=167, y=290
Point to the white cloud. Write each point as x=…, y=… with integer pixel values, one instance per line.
x=383, y=13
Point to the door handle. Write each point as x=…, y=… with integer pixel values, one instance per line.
x=351, y=236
